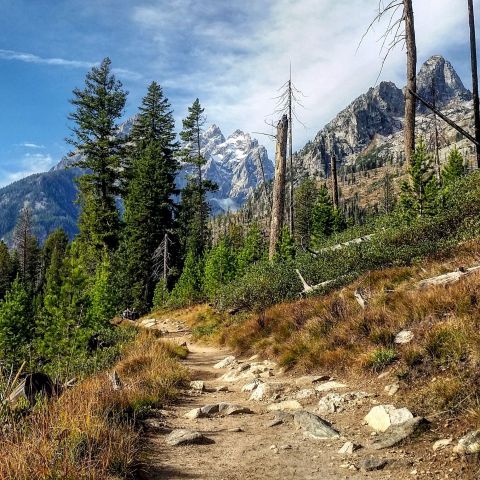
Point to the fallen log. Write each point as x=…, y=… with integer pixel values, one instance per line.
x=447, y=278
x=339, y=246
x=310, y=288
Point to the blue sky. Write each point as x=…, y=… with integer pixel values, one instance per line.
x=232, y=54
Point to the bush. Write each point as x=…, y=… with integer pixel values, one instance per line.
x=380, y=358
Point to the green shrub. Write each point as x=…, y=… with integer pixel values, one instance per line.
x=380, y=358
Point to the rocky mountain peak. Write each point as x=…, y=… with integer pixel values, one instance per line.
x=437, y=78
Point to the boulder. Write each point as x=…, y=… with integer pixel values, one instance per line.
x=210, y=409
x=261, y=393
x=285, y=405
x=251, y=386
x=405, y=336
x=226, y=362
x=187, y=437
x=381, y=417
x=470, y=443
x=195, y=413
x=314, y=426
x=395, y=434
x=232, y=409
x=336, y=402
x=327, y=386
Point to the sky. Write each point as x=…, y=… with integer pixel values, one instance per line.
x=233, y=55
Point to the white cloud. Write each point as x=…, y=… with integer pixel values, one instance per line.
x=31, y=145
x=29, y=164
x=235, y=70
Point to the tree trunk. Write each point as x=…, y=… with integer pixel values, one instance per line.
x=473, y=55
x=290, y=155
x=333, y=171
x=409, y=128
x=279, y=186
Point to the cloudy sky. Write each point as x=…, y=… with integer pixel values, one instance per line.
x=233, y=55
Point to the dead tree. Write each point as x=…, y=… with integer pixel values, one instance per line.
x=278, y=204
x=410, y=103
x=407, y=36
x=473, y=56
x=161, y=259
x=333, y=171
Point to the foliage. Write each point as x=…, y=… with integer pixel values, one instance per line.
x=219, y=267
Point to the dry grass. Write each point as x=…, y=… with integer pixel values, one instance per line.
x=90, y=431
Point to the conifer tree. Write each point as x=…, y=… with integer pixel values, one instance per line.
x=219, y=267
x=7, y=269
x=454, y=168
x=252, y=250
x=419, y=196
x=305, y=196
x=322, y=215
x=98, y=108
x=150, y=190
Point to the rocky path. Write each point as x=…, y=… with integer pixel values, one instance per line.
x=246, y=419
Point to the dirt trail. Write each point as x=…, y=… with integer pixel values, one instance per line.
x=246, y=447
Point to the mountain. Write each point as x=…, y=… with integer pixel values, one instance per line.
x=374, y=121
x=232, y=163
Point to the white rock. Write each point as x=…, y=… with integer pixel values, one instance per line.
x=262, y=392
x=226, y=362
x=441, y=444
x=383, y=416
x=193, y=414
x=392, y=389
x=305, y=393
x=348, y=448
x=327, y=386
x=470, y=443
x=197, y=385
x=285, y=405
x=251, y=386
x=405, y=336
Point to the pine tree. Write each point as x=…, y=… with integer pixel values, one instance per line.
x=219, y=267
x=98, y=107
x=419, y=196
x=54, y=249
x=16, y=326
x=253, y=250
x=454, y=169
x=197, y=211
x=149, y=200
x=305, y=196
x=323, y=221
x=189, y=287
x=286, y=247
x=7, y=269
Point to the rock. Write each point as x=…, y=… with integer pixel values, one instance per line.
x=381, y=417
x=441, y=444
x=210, y=409
x=222, y=388
x=397, y=433
x=267, y=374
x=325, y=387
x=392, y=389
x=405, y=336
x=269, y=364
x=226, y=362
x=309, y=379
x=305, y=393
x=470, y=443
x=197, y=385
x=336, y=402
x=195, y=413
x=348, y=448
x=154, y=424
x=261, y=393
x=251, y=386
x=314, y=426
x=234, y=376
x=371, y=463
x=187, y=437
x=236, y=430
x=285, y=447
x=285, y=405
x=232, y=409
x=275, y=422
x=253, y=358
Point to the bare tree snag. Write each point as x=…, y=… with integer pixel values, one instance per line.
x=290, y=154
x=333, y=171
x=448, y=278
x=309, y=289
x=278, y=204
x=410, y=103
x=473, y=56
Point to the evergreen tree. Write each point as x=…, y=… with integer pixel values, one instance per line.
x=189, y=287
x=419, y=196
x=149, y=200
x=323, y=221
x=219, y=267
x=253, y=250
x=102, y=298
x=195, y=208
x=98, y=107
x=16, y=326
x=454, y=168
x=305, y=196
x=53, y=249
x=7, y=269
x=286, y=247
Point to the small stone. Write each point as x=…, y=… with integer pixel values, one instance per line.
x=314, y=426
x=325, y=387
x=275, y=422
x=370, y=464
x=285, y=447
x=251, y=386
x=195, y=413
x=197, y=385
x=305, y=393
x=261, y=393
x=285, y=405
x=222, y=388
x=392, y=389
x=232, y=409
x=187, y=437
x=470, y=443
x=383, y=375
x=236, y=430
x=226, y=362
x=405, y=336
x=348, y=448
x=441, y=444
